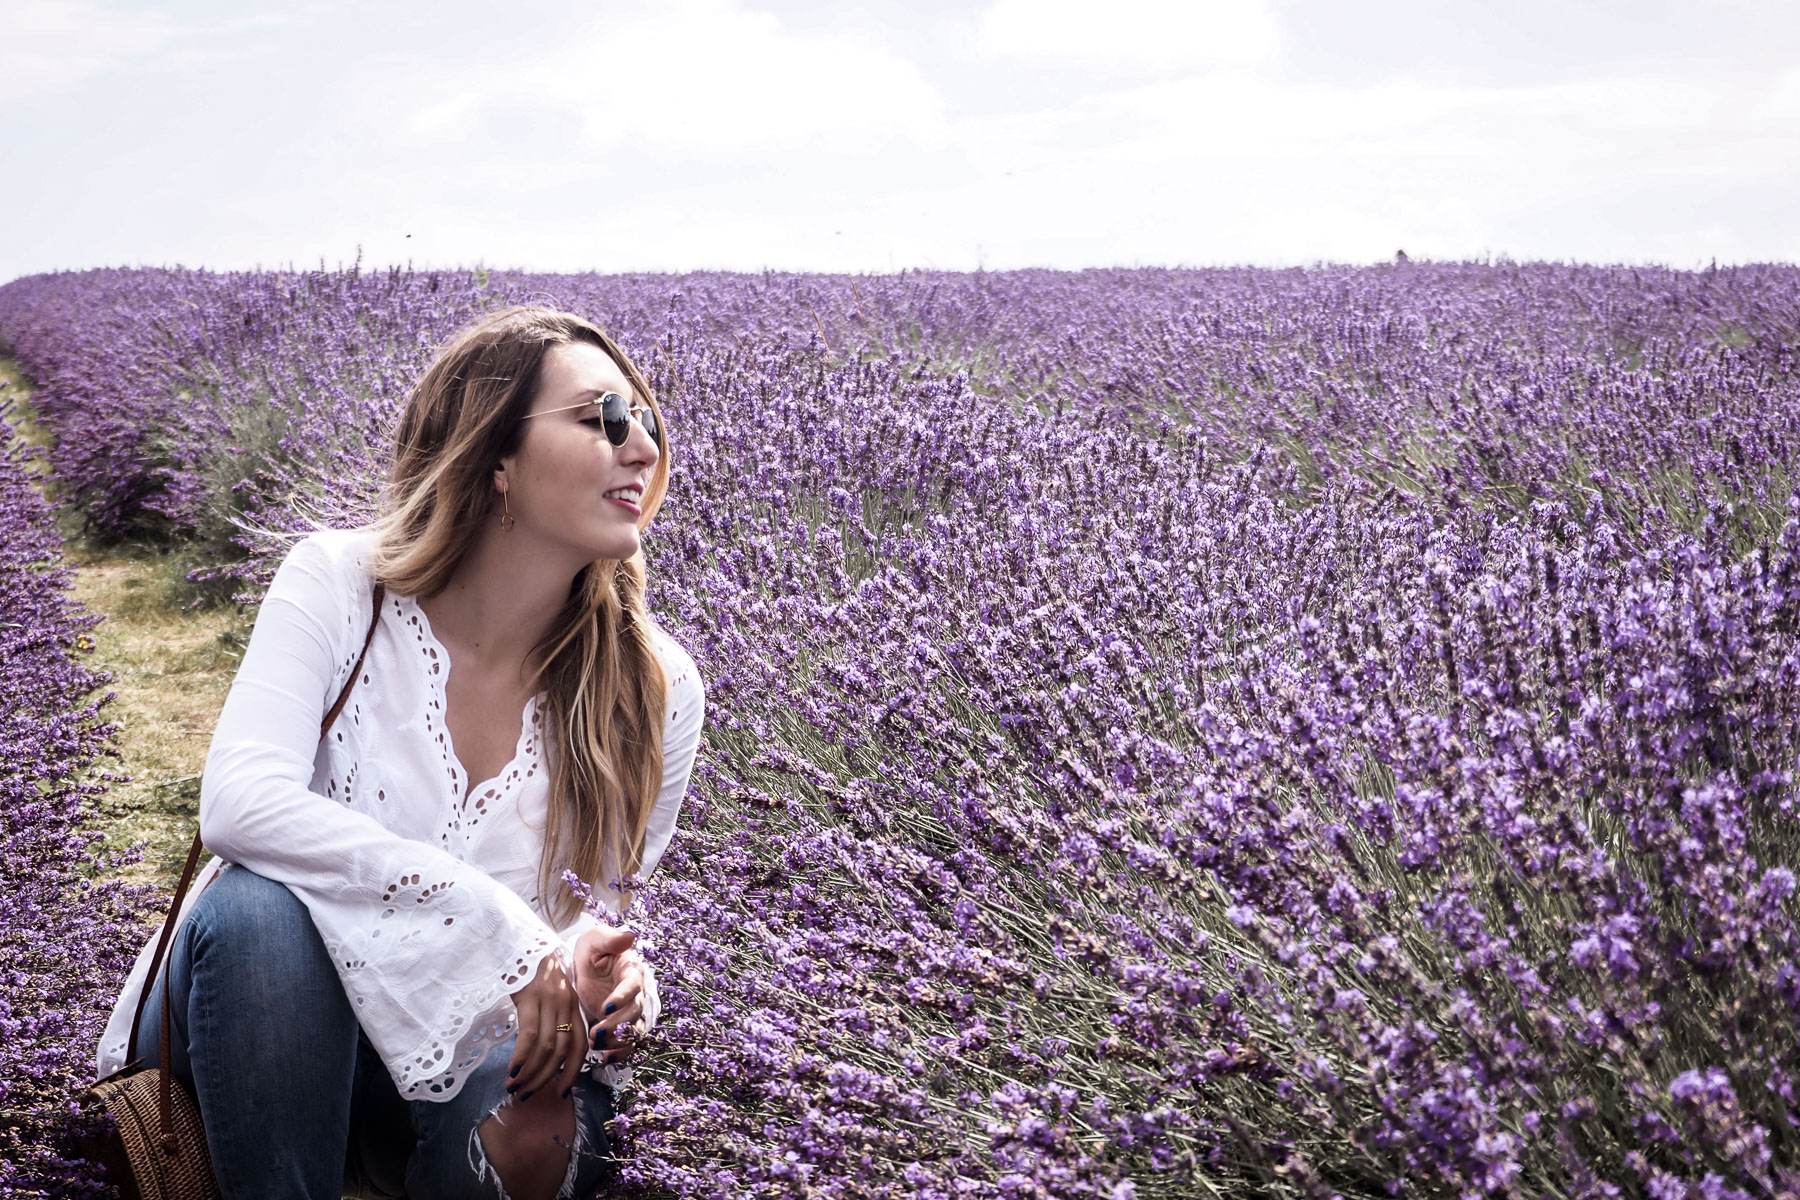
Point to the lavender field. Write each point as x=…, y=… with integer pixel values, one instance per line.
x=1171, y=733
x=66, y=936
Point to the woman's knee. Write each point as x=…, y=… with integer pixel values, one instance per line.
x=519, y=1150
x=528, y=1146
x=245, y=922
x=239, y=901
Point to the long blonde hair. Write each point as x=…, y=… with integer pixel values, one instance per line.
x=604, y=686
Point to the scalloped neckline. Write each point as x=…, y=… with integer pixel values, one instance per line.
x=462, y=788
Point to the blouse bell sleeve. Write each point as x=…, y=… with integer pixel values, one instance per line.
x=428, y=947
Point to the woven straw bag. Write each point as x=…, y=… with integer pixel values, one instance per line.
x=158, y=1149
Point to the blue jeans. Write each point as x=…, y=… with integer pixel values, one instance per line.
x=296, y=1102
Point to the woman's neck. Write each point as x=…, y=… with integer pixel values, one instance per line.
x=500, y=602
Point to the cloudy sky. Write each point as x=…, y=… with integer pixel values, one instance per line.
x=872, y=136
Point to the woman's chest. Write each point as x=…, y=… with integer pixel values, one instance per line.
x=484, y=717
x=413, y=742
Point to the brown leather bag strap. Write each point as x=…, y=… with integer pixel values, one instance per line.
x=187, y=877
x=166, y=1097
x=376, y=598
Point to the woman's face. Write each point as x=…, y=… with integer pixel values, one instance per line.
x=566, y=484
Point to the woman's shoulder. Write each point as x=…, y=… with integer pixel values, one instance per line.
x=338, y=554
x=344, y=549
x=327, y=569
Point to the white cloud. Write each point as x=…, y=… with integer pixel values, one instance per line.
x=53, y=45
x=1236, y=114
x=694, y=133
x=1784, y=96
x=701, y=76
x=1157, y=33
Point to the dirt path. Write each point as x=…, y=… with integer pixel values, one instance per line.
x=171, y=668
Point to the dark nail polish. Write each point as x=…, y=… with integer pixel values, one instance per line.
x=514, y=1073
x=512, y=1089
x=525, y=1097
x=567, y=1090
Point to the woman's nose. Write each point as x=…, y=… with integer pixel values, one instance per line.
x=639, y=448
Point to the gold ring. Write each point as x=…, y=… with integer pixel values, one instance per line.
x=564, y=1028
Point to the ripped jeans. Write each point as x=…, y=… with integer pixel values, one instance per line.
x=297, y=1104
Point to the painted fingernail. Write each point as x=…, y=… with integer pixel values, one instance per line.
x=567, y=1090
x=514, y=1073
x=525, y=1097
x=512, y=1089
x=610, y=1007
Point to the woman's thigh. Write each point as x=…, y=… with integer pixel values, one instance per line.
x=262, y=1035
x=449, y=1159
x=247, y=965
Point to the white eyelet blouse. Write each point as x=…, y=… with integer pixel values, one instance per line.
x=422, y=885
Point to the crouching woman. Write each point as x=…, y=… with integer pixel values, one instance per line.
x=381, y=984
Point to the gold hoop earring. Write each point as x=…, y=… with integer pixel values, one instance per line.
x=506, y=517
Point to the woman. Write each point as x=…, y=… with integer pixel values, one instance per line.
x=390, y=988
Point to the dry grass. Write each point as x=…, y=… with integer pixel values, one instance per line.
x=171, y=669
x=171, y=666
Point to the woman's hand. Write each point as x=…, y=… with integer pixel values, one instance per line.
x=542, y=1056
x=609, y=978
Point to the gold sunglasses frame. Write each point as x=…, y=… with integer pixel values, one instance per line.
x=631, y=412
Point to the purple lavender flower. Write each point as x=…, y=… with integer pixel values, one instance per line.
x=1323, y=732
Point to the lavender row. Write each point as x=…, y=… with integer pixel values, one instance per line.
x=68, y=938
x=1170, y=732
x=1654, y=391
x=1343, y=848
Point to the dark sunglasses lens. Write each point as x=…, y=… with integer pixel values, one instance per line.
x=614, y=414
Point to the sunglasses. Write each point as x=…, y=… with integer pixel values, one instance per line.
x=615, y=414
